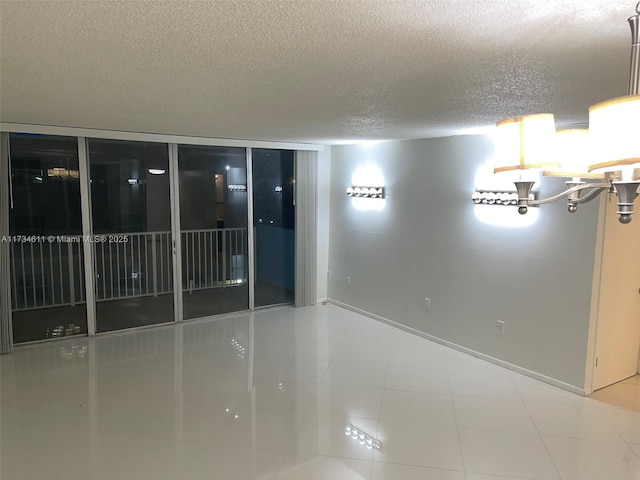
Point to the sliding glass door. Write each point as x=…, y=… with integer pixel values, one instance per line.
x=274, y=221
x=45, y=224
x=133, y=245
x=213, y=229
x=133, y=188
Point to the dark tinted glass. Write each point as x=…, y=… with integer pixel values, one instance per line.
x=213, y=222
x=47, y=272
x=131, y=211
x=274, y=218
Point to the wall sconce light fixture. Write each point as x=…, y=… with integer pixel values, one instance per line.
x=485, y=197
x=365, y=192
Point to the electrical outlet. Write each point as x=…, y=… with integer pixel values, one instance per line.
x=427, y=302
x=348, y=280
x=500, y=327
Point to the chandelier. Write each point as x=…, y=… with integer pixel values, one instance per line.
x=607, y=154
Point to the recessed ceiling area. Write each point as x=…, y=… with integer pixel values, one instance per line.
x=309, y=70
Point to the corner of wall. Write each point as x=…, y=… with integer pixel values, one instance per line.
x=595, y=296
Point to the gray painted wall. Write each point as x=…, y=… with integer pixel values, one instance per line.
x=427, y=242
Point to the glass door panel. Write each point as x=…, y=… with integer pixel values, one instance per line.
x=131, y=215
x=274, y=221
x=45, y=223
x=213, y=226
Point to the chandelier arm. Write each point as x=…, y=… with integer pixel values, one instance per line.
x=569, y=191
x=591, y=195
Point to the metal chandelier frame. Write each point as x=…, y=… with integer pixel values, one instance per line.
x=626, y=190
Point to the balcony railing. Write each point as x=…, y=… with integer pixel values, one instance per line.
x=135, y=265
x=213, y=258
x=46, y=274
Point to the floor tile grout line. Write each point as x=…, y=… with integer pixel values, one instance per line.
x=546, y=447
x=384, y=389
x=455, y=415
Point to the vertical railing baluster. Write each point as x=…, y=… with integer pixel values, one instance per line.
x=224, y=258
x=217, y=233
x=118, y=267
x=159, y=268
x=24, y=276
x=193, y=262
x=205, y=239
x=60, y=270
x=185, y=261
x=199, y=262
x=210, y=240
x=146, y=261
x=126, y=272
x=72, y=286
x=235, y=252
x=111, y=269
x=104, y=272
x=164, y=265
x=44, y=290
x=243, y=239
x=232, y=255
x=33, y=276
x=169, y=254
x=81, y=270
x=155, y=265
x=133, y=267
x=13, y=274
x=53, y=283
x=140, y=264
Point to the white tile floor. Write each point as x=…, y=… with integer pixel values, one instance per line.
x=268, y=397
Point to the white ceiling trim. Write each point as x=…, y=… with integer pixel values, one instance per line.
x=153, y=137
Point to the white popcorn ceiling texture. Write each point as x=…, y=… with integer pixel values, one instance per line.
x=309, y=70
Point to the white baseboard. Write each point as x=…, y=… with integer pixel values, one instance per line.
x=496, y=361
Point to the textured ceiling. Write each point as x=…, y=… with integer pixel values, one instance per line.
x=309, y=70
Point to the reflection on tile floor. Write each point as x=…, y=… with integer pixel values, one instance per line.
x=267, y=396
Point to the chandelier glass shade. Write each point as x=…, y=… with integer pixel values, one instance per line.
x=573, y=151
x=524, y=143
x=615, y=132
